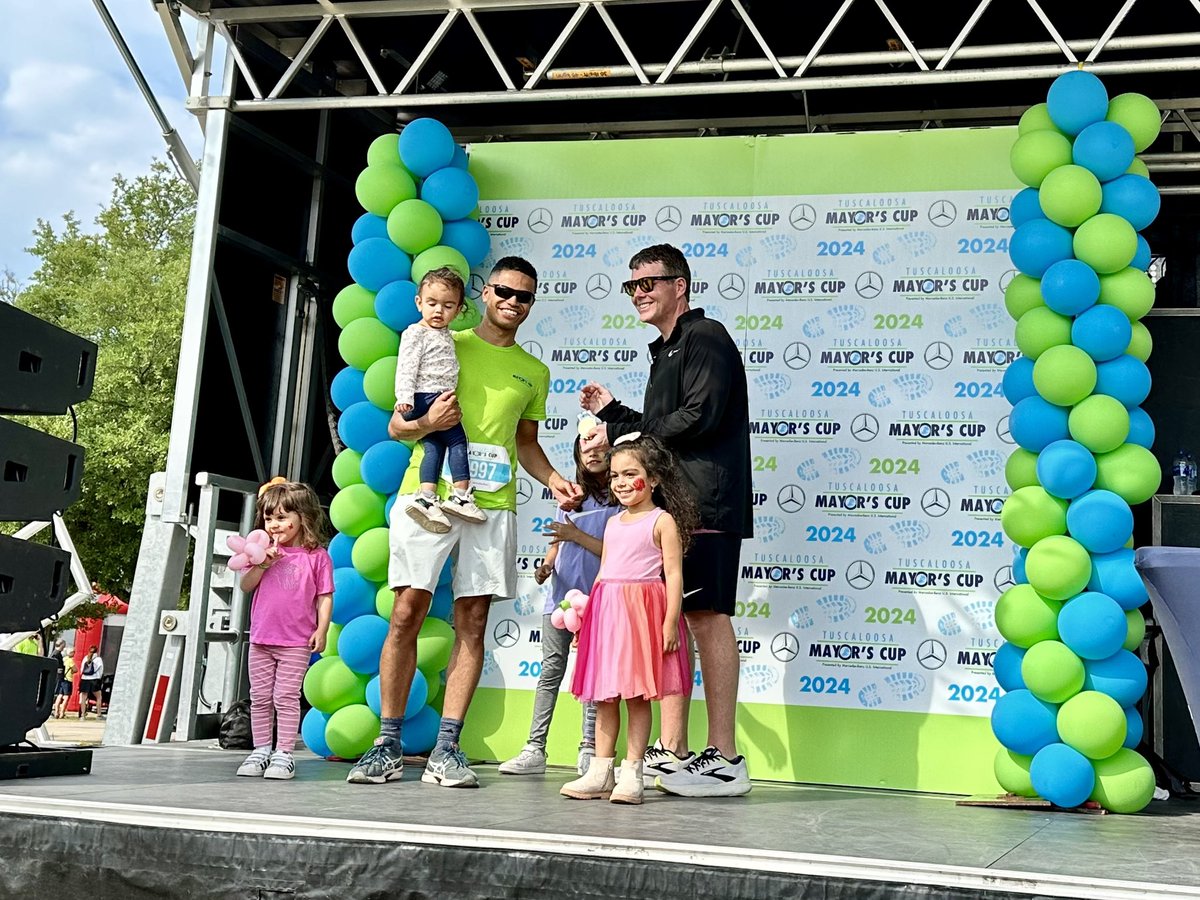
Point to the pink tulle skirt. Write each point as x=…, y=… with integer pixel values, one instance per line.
x=620, y=651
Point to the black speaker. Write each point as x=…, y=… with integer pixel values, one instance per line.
x=43, y=369
x=26, y=693
x=33, y=582
x=39, y=474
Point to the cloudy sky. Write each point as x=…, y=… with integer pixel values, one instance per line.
x=71, y=116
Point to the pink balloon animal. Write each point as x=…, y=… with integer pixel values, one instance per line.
x=569, y=613
x=248, y=551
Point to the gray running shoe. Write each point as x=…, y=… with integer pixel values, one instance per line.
x=449, y=769
x=383, y=762
x=530, y=761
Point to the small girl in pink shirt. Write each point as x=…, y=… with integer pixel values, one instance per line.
x=289, y=617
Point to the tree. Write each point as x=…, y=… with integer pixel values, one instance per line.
x=122, y=287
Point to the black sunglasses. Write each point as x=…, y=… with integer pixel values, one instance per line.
x=504, y=292
x=646, y=283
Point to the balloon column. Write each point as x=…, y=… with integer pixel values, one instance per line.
x=1068, y=721
x=418, y=197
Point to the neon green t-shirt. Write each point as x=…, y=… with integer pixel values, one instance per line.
x=497, y=387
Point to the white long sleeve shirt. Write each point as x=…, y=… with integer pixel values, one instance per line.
x=426, y=363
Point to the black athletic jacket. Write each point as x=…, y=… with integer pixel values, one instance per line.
x=696, y=402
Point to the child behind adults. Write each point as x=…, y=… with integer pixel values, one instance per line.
x=426, y=367
x=632, y=645
x=289, y=620
x=574, y=560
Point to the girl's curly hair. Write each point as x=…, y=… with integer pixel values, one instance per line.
x=672, y=492
x=298, y=498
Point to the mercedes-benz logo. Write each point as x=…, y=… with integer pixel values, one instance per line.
x=533, y=348
x=1006, y=278
x=796, y=355
x=785, y=647
x=860, y=575
x=540, y=220
x=668, y=218
x=507, y=632
x=475, y=287
x=938, y=355
x=931, y=654
x=942, y=213
x=935, y=502
x=802, y=217
x=869, y=285
x=790, y=498
x=731, y=286
x=864, y=427
x=599, y=286
x=1002, y=431
x=1003, y=579
x=524, y=490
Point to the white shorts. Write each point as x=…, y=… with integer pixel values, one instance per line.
x=485, y=559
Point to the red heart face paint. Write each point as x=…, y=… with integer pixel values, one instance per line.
x=639, y=484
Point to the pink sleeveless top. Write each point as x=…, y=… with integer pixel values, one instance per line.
x=629, y=550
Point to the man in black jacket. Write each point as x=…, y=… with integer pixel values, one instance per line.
x=696, y=401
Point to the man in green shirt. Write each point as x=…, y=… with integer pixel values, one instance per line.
x=500, y=398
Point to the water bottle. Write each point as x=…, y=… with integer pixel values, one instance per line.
x=1180, y=471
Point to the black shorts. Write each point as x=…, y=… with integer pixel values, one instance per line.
x=89, y=686
x=64, y=688
x=710, y=572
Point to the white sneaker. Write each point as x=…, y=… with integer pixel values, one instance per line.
x=708, y=775
x=282, y=766
x=256, y=763
x=461, y=505
x=661, y=761
x=629, y=788
x=595, y=784
x=427, y=514
x=530, y=761
x=586, y=752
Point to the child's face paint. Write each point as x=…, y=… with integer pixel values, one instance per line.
x=639, y=484
x=628, y=479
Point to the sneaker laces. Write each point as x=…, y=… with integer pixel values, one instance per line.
x=705, y=760
x=655, y=751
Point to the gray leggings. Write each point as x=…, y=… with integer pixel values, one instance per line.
x=556, y=648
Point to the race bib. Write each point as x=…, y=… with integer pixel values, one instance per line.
x=489, y=464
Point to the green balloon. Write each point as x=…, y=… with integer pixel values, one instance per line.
x=1070, y=195
x=353, y=302
x=329, y=685
x=369, y=555
x=1138, y=115
x=1124, y=782
x=379, y=188
x=1038, y=153
x=365, y=340
x=1138, y=167
x=1021, y=469
x=355, y=509
x=1040, y=329
x=433, y=679
x=436, y=258
x=1064, y=375
x=384, y=151
x=414, y=226
x=1058, y=567
x=468, y=318
x=1012, y=772
x=1036, y=118
x=385, y=599
x=1106, y=242
x=1025, y=618
x=1129, y=290
x=1031, y=514
x=1135, y=632
x=1141, y=345
x=1099, y=422
x=346, y=468
x=379, y=383
x=1091, y=722
x=1023, y=294
x=434, y=643
x=1131, y=472
x=351, y=730
x=1054, y=674
x=331, y=639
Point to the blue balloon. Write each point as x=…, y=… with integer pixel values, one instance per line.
x=1037, y=245
x=459, y=161
x=361, y=641
x=426, y=145
x=1092, y=625
x=418, y=693
x=312, y=732
x=387, y=507
x=1126, y=378
x=1134, y=728
x=1062, y=775
x=395, y=305
x=1018, y=380
x=1102, y=332
x=1122, y=676
x=346, y=389
x=1103, y=148
x=447, y=573
x=1133, y=198
x=383, y=466
x=1070, y=286
x=1066, y=469
x=1026, y=206
x=452, y=192
x=419, y=733
x=353, y=597
x=363, y=425
x=469, y=238
x=442, y=602
x=1141, y=428
x=1007, y=666
x=1035, y=424
x=1018, y=565
x=1023, y=723
x=1116, y=574
x=377, y=261
x=340, y=549
x=1075, y=100
x=1101, y=521
x=1141, y=259
x=368, y=225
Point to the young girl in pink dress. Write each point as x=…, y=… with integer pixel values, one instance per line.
x=632, y=646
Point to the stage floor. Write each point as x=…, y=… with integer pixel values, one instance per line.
x=175, y=821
